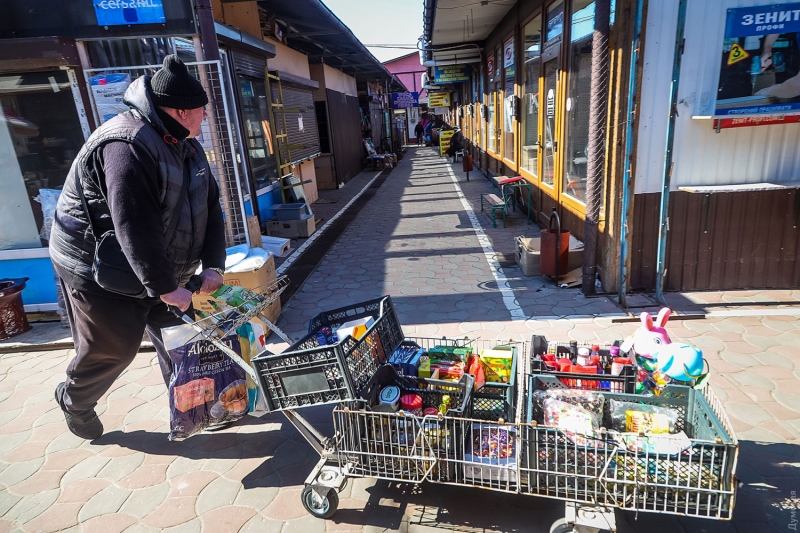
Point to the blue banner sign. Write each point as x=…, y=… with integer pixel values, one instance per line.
x=760, y=62
x=450, y=74
x=124, y=12
x=762, y=20
x=404, y=100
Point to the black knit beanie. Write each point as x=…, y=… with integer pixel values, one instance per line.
x=173, y=86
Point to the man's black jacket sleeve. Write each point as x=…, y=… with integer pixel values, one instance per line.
x=214, y=244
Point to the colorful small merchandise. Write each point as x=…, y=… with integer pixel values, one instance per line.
x=389, y=399
x=681, y=362
x=642, y=418
x=577, y=423
x=430, y=411
x=491, y=458
x=497, y=364
x=448, y=370
x=445, y=405
x=493, y=441
x=656, y=444
x=651, y=335
x=406, y=359
x=411, y=403
x=475, y=368
x=591, y=401
x=236, y=296
x=450, y=353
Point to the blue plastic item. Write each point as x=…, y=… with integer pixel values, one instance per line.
x=290, y=211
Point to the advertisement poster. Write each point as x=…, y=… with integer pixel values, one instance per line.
x=438, y=99
x=108, y=90
x=450, y=74
x=760, y=61
x=404, y=100
x=444, y=141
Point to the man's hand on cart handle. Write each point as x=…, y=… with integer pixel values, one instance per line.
x=180, y=298
x=211, y=281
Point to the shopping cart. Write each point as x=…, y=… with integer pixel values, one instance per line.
x=493, y=448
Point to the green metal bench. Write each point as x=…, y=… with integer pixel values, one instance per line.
x=496, y=204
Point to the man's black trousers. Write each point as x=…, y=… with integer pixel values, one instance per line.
x=107, y=332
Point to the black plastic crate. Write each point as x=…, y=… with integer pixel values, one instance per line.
x=699, y=481
x=493, y=401
x=308, y=373
x=625, y=382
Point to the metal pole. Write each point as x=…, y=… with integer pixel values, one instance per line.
x=627, y=177
x=598, y=110
x=663, y=220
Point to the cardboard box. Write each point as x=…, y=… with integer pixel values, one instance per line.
x=254, y=231
x=528, y=255
x=249, y=280
x=291, y=229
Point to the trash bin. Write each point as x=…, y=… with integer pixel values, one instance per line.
x=13, y=320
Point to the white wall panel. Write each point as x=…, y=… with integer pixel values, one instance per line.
x=702, y=156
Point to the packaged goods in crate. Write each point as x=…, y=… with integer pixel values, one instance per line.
x=495, y=370
x=402, y=424
x=406, y=358
x=491, y=454
x=584, y=365
x=342, y=351
x=678, y=445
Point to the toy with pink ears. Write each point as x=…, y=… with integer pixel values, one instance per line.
x=659, y=359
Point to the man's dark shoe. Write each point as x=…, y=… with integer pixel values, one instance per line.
x=87, y=426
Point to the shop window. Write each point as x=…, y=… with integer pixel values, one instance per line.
x=509, y=112
x=532, y=54
x=579, y=77
x=256, y=130
x=40, y=135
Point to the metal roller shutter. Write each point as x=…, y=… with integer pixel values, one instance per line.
x=301, y=123
x=249, y=65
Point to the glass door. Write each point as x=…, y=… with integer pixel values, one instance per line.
x=550, y=107
x=532, y=53
x=550, y=139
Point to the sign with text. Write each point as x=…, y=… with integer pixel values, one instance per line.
x=760, y=61
x=439, y=99
x=124, y=12
x=404, y=100
x=450, y=74
x=444, y=141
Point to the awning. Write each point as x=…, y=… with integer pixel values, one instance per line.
x=314, y=30
x=449, y=22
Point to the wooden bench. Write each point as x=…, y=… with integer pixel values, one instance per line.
x=497, y=204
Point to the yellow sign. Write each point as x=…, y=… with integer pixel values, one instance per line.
x=444, y=140
x=737, y=54
x=438, y=99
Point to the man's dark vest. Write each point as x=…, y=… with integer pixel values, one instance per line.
x=71, y=243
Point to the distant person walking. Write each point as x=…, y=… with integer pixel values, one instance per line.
x=419, y=133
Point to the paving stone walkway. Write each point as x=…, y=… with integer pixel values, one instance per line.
x=416, y=242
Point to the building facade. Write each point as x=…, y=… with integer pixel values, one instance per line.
x=687, y=191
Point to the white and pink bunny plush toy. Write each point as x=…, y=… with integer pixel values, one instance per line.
x=651, y=336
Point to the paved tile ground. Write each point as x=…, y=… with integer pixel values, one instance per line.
x=416, y=242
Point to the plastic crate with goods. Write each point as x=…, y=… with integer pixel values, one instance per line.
x=324, y=367
x=675, y=453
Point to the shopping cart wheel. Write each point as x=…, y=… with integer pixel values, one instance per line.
x=320, y=504
x=562, y=526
